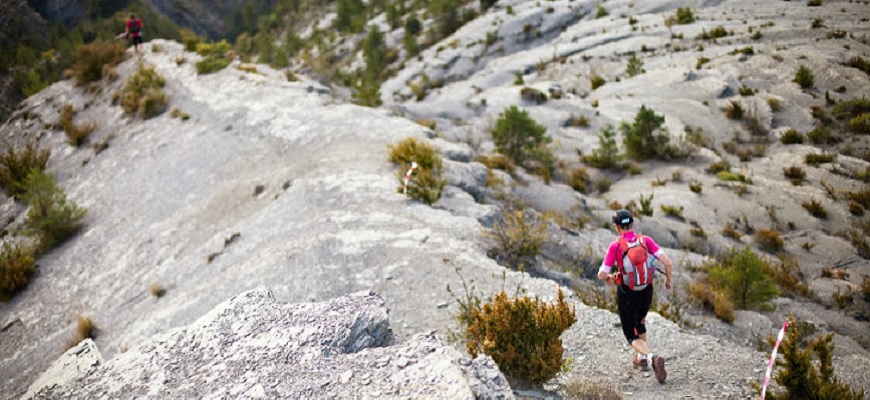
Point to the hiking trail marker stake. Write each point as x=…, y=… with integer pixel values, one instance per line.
x=408, y=176
x=772, y=359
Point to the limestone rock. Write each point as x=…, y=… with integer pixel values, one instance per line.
x=252, y=346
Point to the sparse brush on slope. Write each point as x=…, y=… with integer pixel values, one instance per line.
x=15, y=165
x=143, y=93
x=16, y=266
x=522, y=335
x=51, y=217
x=522, y=139
x=91, y=58
x=75, y=133
x=742, y=276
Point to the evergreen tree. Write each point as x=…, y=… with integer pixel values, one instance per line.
x=373, y=53
x=517, y=135
x=744, y=279
x=643, y=138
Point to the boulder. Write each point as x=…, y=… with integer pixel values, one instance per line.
x=253, y=346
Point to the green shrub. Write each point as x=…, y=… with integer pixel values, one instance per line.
x=190, y=39
x=792, y=136
x=211, y=64
x=815, y=208
x=774, y=104
x=646, y=205
x=522, y=335
x=601, y=12
x=695, y=187
x=701, y=62
x=635, y=66
x=14, y=166
x=673, y=211
x=607, y=154
x=719, y=166
x=716, y=33
x=822, y=136
x=426, y=183
x=769, y=240
x=597, y=81
x=814, y=3
x=518, y=238
x=728, y=176
x=643, y=139
x=804, y=77
x=729, y=231
x=815, y=159
x=16, y=265
x=746, y=91
x=533, y=95
x=799, y=376
x=860, y=124
x=216, y=56
x=685, y=16
x=90, y=58
x=50, y=218
x=143, y=93
x=851, y=108
x=517, y=135
x=795, y=174
x=859, y=63
x=75, y=134
x=742, y=276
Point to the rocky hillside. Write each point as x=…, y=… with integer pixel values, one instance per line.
x=284, y=184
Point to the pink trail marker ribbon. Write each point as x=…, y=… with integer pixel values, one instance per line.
x=772, y=359
x=408, y=176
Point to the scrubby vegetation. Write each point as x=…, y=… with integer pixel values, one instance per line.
x=522, y=335
x=804, y=77
x=51, y=218
x=795, y=174
x=741, y=275
x=769, y=240
x=644, y=138
x=517, y=238
x=607, y=154
x=85, y=329
x=685, y=16
x=16, y=165
x=426, y=183
x=524, y=141
x=635, y=66
x=597, y=81
x=143, y=93
x=92, y=59
x=800, y=376
x=17, y=263
x=75, y=133
x=216, y=56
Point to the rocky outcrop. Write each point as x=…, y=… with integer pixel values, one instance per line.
x=215, y=19
x=253, y=347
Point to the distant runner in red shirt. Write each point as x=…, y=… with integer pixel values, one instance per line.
x=134, y=31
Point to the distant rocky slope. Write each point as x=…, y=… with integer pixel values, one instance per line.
x=252, y=347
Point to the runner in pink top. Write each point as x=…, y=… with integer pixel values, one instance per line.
x=633, y=305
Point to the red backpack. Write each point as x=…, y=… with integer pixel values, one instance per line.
x=636, y=267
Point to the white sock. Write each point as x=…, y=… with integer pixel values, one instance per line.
x=650, y=356
x=641, y=356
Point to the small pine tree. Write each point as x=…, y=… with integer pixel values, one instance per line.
x=743, y=277
x=635, y=66
x=607, y=154
x=517, y=135
x=368, y=93
x=522, y=335
x=800, y=377
x=373, y=53
x=643, y=138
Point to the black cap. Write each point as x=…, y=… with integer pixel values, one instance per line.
x=623, y=218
